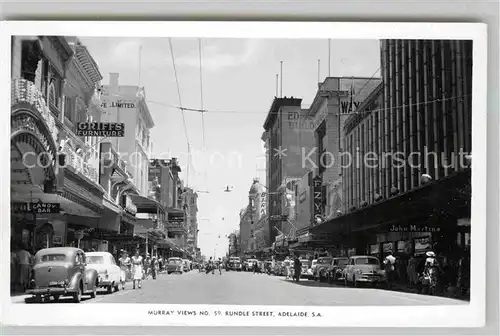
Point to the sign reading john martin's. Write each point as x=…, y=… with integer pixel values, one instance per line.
x=101, y=129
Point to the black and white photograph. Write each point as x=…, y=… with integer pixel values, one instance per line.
x=229, y=178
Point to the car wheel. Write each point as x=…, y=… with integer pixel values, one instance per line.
x=117, y=287
x=110, y=289
x=56, y=297
x=77, y=297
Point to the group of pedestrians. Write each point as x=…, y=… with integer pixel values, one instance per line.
x=137, y=268
x=21, y=264
x=431, y=273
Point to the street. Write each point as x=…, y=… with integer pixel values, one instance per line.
x=242, y=288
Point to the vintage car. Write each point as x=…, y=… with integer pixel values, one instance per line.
x=235, y=264
x=306, y=268
x=109, y=273
x=336, y=269
x=320, y=272
x=62, y=271
x=186, y=265
x=175, y=265
x=249, y=264
x=312, y=269
x=362, y=269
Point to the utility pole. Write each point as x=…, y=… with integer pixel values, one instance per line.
x=281, y=80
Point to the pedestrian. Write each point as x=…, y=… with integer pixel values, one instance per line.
x=137, y=269
x=25, y=261
x=389, y=263
x=14, y=268
x=125, y=264
x=411, y=271
x=297, y=269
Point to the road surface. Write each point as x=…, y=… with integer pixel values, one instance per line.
x=241, y=288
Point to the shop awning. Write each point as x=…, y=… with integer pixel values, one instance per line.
x=167, y=243
x=26, y=193
x=425, y=202
x=146, y=205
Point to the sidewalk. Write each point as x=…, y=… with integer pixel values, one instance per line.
x=405, y=289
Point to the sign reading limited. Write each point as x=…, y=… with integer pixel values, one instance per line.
x=102, y=129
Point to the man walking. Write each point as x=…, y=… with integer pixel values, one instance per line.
x=389, y=262
x=25, y=260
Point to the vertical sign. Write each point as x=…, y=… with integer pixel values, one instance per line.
x=263, y=205
x=317, y=198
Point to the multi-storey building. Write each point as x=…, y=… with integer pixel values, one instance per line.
x=127, y=104
x=287, y=137
x=53, y=87
x=412, y=137
x=191, y=209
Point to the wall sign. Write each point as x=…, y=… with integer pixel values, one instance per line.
x=126, y=105
x=128, y=206
x=317, y=198
x=100, y=129
x=263, y=204
x=40, y=208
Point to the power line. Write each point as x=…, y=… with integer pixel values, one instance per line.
x=202, y=107
x=182, y=109
x=366, y=83
x=264, y=112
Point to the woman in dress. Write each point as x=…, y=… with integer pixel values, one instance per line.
x=411, y=270
x=137, y=267
x=125, y=268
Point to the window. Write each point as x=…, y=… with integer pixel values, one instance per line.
x=53, y=257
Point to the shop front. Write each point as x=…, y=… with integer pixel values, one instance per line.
x=33, y=148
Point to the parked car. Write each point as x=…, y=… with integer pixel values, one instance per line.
x=311, y=269
x=320, y=272
x=109, y=273
x=335, y=271
x=62, y=271
x=249, y=264
x=235, y=264
x=175, y=265
x=306, y=268
x=185, y=265
x=362, y=269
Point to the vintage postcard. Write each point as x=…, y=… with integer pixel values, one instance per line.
x=244, y=174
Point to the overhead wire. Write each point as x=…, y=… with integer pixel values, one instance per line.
x=202, y=110
x=182, y=110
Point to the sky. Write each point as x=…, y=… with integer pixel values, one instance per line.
x=239, y=84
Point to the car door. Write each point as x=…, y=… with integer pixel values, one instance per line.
x=80, y=268
x=114, y=270
x=349, y=269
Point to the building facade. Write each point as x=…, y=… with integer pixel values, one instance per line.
x=413, y=136
x=288, y=135
x=53, y=87
x=127, y=104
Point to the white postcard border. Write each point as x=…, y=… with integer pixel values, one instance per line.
x=468, y=315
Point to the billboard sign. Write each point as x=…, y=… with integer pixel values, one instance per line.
x=317, y=197
x=101, y=129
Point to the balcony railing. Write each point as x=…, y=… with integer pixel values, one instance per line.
x=79, y=164
x=109, y=154
x=24, y=91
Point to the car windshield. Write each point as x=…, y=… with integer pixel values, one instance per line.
x=342, y=262
x=366, y=261
x=325, y=261
x=174, y=261
x=53, y=257
x=95, y=259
